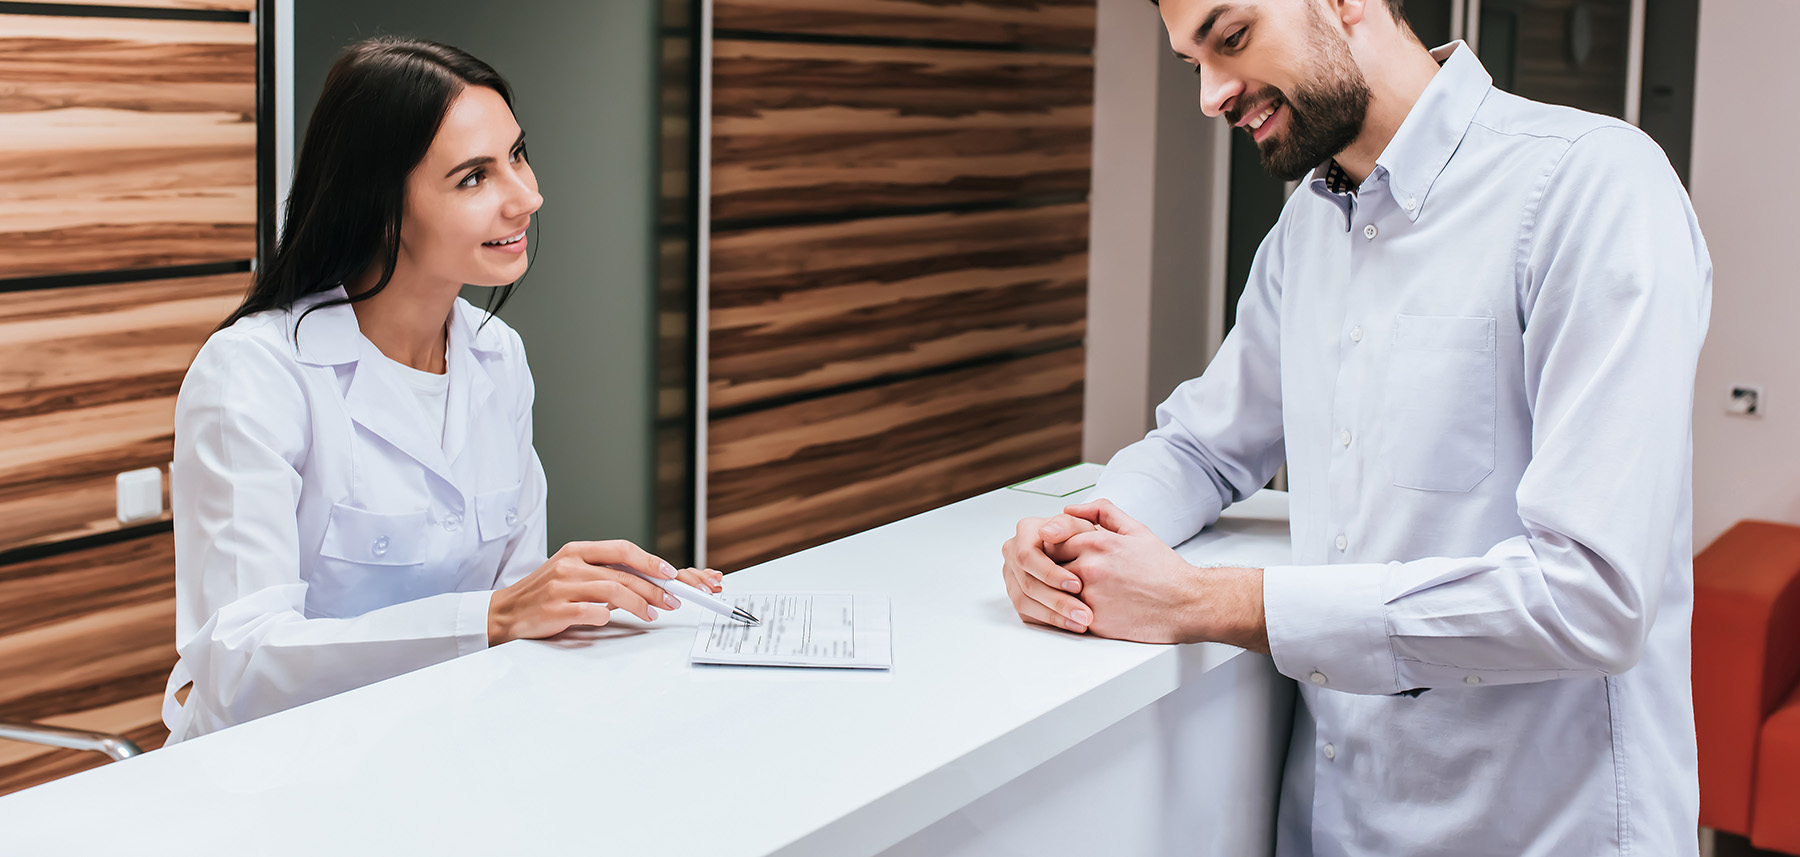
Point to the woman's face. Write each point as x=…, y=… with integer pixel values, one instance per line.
x=469, y=201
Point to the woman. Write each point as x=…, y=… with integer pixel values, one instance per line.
x=354, y=486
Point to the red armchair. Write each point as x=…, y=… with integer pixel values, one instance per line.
x=1746, y=665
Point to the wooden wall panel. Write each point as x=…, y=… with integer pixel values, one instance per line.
x=125, y=143
x=800, y=128
x=802, y=474
x=87, y=639
x=802, y=309
x=223, y=5
x=1066, y=23
x=88, y=377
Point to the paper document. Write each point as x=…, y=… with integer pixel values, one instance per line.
x=1062, y=483
x=826, y=629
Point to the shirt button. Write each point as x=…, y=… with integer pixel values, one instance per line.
x=1355, y=334
x=512, y=516
x=1342, y=543
x=1317, y=678
x=1473, y=679
x=381, y=546
x=1344, y=437
x=1330, y=751
x=451, y=522
x=1369, y=232
x=1410, y=203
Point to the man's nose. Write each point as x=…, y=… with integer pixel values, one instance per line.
x=1217, y=91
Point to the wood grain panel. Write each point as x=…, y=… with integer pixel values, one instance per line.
x=1066, y=23
x=87, y=639
x=802, y=474
x=88, y=377
x=811, y=128
x=225, y=5
x=125, y=143
x=1544, y=70
x=802, y=309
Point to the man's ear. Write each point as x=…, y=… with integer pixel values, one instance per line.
x=1352, y=12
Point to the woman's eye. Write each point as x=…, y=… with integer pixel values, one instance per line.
x=519, y=154
x=471, y=179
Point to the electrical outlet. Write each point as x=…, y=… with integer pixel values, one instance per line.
x=139, y=495
x=1746, y=400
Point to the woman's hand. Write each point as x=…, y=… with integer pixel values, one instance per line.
x=576, y=587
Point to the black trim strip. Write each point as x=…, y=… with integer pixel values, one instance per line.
x=266, y=202
x=28, y=553
x=126, y=275
x=848, y=214
x=892, y=378
x=79, y=10
x=890, y=42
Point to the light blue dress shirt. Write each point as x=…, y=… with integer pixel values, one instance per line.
x=1480, y=371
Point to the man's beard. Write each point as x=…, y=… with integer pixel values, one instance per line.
x=1324, y=115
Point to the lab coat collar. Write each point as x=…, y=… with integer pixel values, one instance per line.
x=331, y=337
x=1435, y=127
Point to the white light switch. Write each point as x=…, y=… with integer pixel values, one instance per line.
x=140, y=495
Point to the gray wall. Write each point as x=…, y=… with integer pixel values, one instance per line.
x=584, y=78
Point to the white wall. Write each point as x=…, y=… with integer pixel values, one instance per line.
x=1745, y=126
x=1155, y=267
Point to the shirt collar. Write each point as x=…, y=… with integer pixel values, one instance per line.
x=1432, y=131
x=331, y=336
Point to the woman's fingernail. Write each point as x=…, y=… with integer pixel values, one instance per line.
x=1072, y=585
x=1081, y=617
x=670, y=602
x=668, y=570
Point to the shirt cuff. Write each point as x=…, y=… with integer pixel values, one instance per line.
x=1328, y=626
x=472, y=621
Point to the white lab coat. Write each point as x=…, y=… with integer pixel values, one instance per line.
x=323, y=541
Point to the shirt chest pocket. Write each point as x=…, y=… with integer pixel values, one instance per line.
x=1441, y=402
x=373, y=538
x=497, y=512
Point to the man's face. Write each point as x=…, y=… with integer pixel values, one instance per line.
x=1279, y=69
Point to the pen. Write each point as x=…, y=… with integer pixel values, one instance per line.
x=681, y=590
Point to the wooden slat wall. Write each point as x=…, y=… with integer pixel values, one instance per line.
x=127, y=164
x=88, y=377
x=899, y=259
x=125, y=143
x=86, y=641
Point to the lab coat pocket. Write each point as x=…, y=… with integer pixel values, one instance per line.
x=1441, y=402
x=372, y=538
x=496, y=512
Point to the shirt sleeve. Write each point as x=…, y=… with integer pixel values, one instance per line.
x=1218, y=437
x=527, y=545
x=242, y=632
x=1616, y=294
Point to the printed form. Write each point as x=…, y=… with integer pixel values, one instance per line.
x=835, y=629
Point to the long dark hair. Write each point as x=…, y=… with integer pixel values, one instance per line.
x=382, y=104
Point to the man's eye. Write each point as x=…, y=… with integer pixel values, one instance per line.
x=471, y=179
x=1236, y=39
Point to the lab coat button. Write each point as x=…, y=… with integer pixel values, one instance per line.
x=1330, y=751
x=381, y=546
x=451, y=522
x=1471, y=680
x=1344, y=437
x=1355, y=334
x=1342, y=543
x=1369, y=232
x=512, y=517
x=1317, y=678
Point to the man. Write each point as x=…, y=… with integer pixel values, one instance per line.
x=1472, y=337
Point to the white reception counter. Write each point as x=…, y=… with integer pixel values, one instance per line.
x=987, y=737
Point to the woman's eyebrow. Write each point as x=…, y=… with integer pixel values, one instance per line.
x=482, y=160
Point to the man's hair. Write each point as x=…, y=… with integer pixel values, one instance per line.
x=1395, y=7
